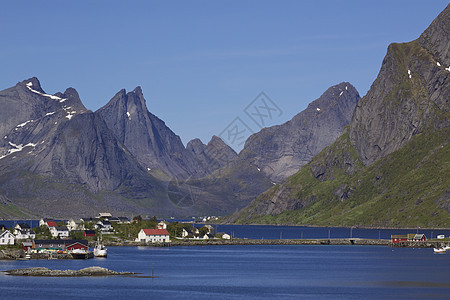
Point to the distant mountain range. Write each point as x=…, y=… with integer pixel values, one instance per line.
x=391, y=167
x=382, y=160
x=59, y=159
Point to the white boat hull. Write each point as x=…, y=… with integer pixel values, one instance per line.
x=439, y=250
x=100, y=252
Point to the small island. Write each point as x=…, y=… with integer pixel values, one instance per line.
x=41, y=271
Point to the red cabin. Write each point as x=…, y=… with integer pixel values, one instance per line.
x=399, y=238
x=83, y=245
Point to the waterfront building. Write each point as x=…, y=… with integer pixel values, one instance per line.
x=153, y=236
x=6, y=238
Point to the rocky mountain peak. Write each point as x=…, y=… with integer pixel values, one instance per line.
x=194, y=144
x=409, y=94
x=281, y=150
x=146, y=136
x=436, y=37
x=32, y=83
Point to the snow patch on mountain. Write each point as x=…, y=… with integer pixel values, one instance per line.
x=29, y=86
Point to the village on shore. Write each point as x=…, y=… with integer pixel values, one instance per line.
x=52, y=237
x=67, y=239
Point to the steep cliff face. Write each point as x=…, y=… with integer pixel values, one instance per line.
x=53, y=144
x=57, y=158
x=280, y=151
x=410, y=94
x=146, y=136
x=271, y=154
x=390, y=168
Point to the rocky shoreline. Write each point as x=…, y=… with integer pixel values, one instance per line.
x=41, y=271
x=11, y=254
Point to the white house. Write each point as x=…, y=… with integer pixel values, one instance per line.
x=23, y=231
x=44, y=221
x=23, y=226
x=6, y=238
x=153, y=236
x=24, y=234
x=226, y=236
x=162, y=225
x=59, y=231
x=74, y=225
x=207, y=236
x=189, y=233
x=104, y=226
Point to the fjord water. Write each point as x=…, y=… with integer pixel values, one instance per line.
x=244, y=272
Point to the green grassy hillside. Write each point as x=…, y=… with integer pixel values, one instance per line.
x=407, y=188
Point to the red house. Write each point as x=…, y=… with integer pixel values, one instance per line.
x=83, y=245
x=51, y=224
x=59, y=245
x=411, y=237
x=399, y=238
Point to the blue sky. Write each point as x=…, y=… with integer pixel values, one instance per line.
x=200, y=63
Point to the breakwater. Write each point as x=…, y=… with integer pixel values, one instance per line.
x=347, y=241
x=220, y=242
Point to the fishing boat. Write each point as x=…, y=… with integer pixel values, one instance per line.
x=439, y=250
x=447, y=248
x=81, y=254
x=100, y=250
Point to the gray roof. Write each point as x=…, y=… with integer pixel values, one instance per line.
x=5, y=232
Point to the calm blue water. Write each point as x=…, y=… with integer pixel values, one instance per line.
x=244, y=272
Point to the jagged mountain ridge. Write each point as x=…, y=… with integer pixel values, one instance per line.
x=116, y=151
x=146, y=136
x=275, y=152
x=153, y=143
x=280, y=151
x=55, y=142
x=390, y=168
x=26, y=110
x=212, y=156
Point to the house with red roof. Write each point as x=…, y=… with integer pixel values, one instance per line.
x=153, y=236
x=51, y=224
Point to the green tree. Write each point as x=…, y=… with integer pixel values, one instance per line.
x=202, y=231
x=175, y=228
x=138, y=218
x=42, y=232
x=77, y=235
